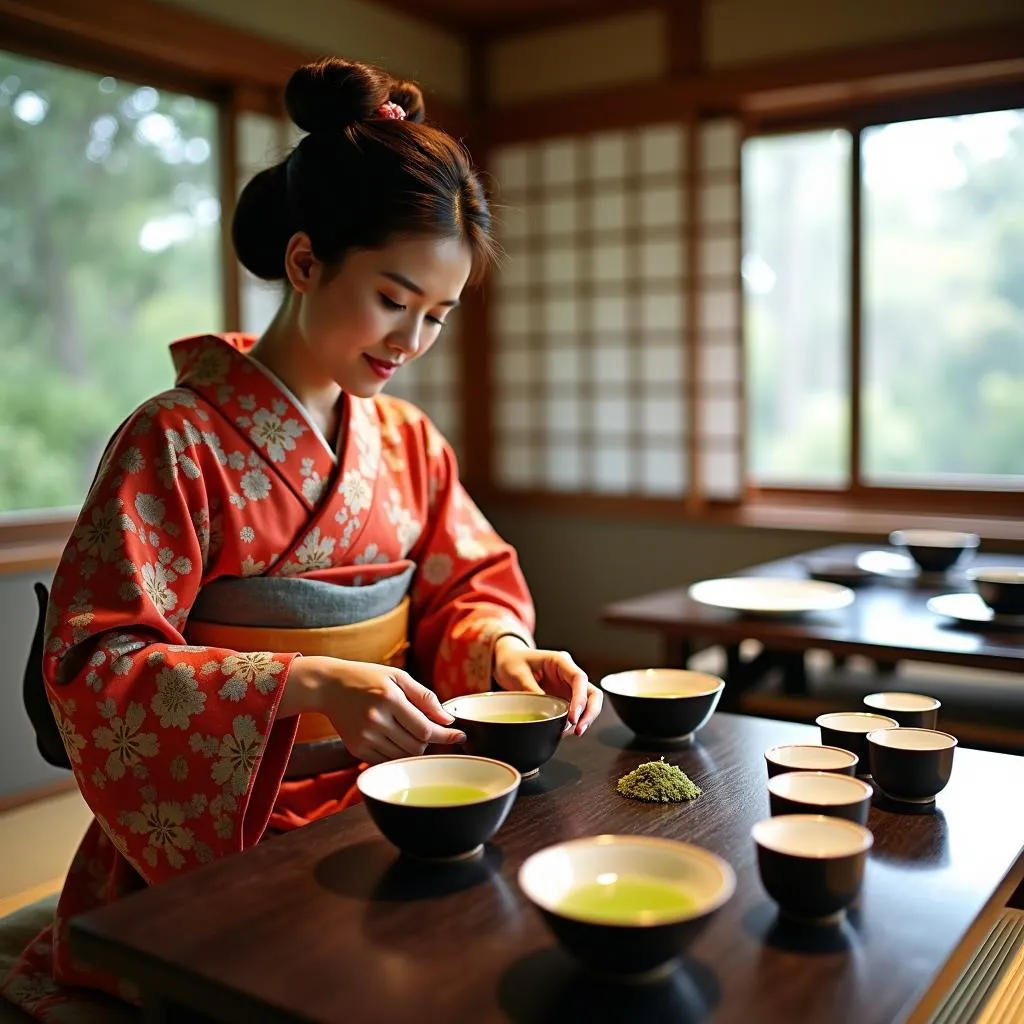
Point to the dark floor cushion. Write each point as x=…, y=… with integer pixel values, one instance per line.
x=17, y=930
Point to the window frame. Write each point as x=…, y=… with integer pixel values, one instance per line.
x=958, y=73
x=38, y=532
x=171, y=49
x=858, y=495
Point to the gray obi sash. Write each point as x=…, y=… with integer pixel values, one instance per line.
x=294, y=602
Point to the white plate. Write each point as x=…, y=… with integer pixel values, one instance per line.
x=763, y=595
x=888, y=563
x=970, y=608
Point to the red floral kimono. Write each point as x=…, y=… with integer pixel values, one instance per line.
x=176, y=748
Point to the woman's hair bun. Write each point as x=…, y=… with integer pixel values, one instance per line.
x=260, y=228
x=408, y=96
x=332, y=94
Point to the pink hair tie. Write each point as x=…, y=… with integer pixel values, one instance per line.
x=390, y=112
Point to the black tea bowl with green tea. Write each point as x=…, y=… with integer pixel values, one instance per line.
x=626, y=906
x=522, y=729
x=439, y=806
x=667, y=705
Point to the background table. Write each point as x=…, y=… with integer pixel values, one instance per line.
x=888, y=620
x=329, y=924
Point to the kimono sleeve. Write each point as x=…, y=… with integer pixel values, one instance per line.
x=165, y=739
x=469, y=589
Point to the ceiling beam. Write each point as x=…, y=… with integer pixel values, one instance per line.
x=509, y=24
x=735, y=89
x=501, y=30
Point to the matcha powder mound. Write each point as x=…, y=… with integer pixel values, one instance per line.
x=658, y=782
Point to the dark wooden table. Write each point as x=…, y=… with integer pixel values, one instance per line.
x=888, y=621
x=329, y=924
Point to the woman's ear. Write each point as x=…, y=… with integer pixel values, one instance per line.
x=299, y=262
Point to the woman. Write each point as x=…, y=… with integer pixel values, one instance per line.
x=275, y=493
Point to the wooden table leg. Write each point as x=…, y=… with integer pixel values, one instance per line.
x=676, y=651
x=885, y=668
x=794, y=671
x=735, y=667
x=743, y=675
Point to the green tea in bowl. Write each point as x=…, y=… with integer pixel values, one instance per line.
x=438, y=796
x=522, y=729
x=517, y=716
x=623, y=900
x=439, y=806
x=626, y=905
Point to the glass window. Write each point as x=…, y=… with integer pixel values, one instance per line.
x=942, y=303
x=109, y=250
x=944, y=300
x=796, y=306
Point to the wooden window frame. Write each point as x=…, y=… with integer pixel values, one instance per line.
x=962, y=72
x=927, y=497
x=169, y=49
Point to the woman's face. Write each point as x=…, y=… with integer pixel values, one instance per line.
x=380, y=309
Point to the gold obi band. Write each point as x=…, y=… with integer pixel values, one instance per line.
x=382, y=640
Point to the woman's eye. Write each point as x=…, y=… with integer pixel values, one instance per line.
x=435, y=320
x=390, y=303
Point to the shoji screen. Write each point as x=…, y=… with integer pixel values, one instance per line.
x=588, y=316
x=617, y=309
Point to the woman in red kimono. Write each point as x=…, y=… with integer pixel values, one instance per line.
x=271, y=483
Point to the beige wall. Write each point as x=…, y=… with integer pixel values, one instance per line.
x=353, y=28
x=606, y=52
x=631, y=48
x=611, y=51
x=743, y=31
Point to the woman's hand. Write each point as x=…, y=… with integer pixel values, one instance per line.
x=519, y=667
x=380, y=712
